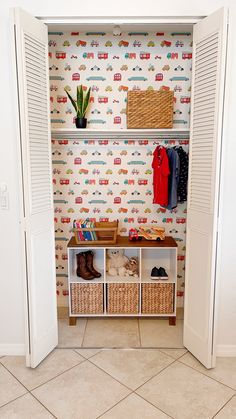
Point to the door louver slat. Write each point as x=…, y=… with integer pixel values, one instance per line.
x=38, y=128
x=203, y=125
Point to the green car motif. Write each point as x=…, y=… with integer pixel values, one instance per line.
x=137, y=78
x=96, y=78
x=56, y=78
x=97, y=201
x=96, y=162
x=96, y=33
x=179, y=78
x=96, y=121
x=138, y=33
x=58, y=162
x=58, y=121
x=55, y=33
x=179, y=121
x=60, y=201
x=136, y=201
x=136, y=162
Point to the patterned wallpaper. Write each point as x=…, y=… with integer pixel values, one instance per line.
x=107, y=179
x=111, y=65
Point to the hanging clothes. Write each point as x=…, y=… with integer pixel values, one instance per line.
x=183, y=174
x=160, y=165
x=173, y=180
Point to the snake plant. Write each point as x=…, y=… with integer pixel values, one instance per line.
x=82, y=101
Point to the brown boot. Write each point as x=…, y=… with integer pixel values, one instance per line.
x=89, y=259
x=82, y=270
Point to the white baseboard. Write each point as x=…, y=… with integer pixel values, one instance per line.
x=12, y=349
x=226, y=350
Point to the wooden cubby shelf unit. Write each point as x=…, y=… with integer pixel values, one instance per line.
x=127, y=296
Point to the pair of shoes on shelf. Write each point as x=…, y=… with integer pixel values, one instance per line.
x=159, y=273
x=85, y=268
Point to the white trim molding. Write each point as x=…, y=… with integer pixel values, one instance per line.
x=226, y=350
x=12, y=349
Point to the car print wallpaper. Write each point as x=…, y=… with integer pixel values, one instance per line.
x=112, y=179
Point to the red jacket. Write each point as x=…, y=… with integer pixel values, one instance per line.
x=160, y=165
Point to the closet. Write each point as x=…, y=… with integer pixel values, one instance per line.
x=105, y=170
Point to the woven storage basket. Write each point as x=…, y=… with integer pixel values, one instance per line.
x=122, y=298
x=150, y=109
x=86, y=298
x=157, y=298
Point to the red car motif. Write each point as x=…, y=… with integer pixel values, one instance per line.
x=102, y=99
x=60, y=55
x=64, y=181
x=117, y=120
x=117, y=200
x=77, y=160
x=61, y=99
x=142, y=181
x=187, y=55
x=65, y=220
x=63, y=142
x=117, y=77
x=180, y=220
x=103, y=142
x=185, y=99
x=159, y=77
x=102, y=55
x=117, y=160
x=144, y=55
x=103, y=181
x=78, y=200
x=181, y=257
x=142, y=220
x=75, y=76
x=143, y=142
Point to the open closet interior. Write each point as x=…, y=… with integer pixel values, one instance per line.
x=105, y=173
x=112, y=171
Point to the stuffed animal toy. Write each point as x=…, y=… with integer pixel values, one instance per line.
x=116, y=261
x=132, y=267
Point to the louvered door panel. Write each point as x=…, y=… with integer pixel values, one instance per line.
x=209, y=51
x=39, y=156
x=33, y=85
x=203, y=122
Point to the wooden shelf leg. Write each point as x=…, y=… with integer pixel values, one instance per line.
x=72, y=321
x=172, y=321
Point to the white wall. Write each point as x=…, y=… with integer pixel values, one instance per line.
x=11, y=293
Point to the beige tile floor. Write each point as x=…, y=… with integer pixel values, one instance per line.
x=121, y=333
x=117, y=384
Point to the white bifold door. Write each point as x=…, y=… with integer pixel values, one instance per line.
x=31, y=46
x=209, y=60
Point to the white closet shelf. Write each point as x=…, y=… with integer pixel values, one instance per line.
x=76, y=134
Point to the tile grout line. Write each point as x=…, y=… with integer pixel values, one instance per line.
x=134, y=390
x=58, y=375
x=155, y=375
x=27, y=391
x=222, y=407
x=200, y=372
x=176, y=359
x=85, y=329
x=107, y=373
x=45, y=407
x=110, y=408
x=11, y=401
x=139, y=334
x=157, y=407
